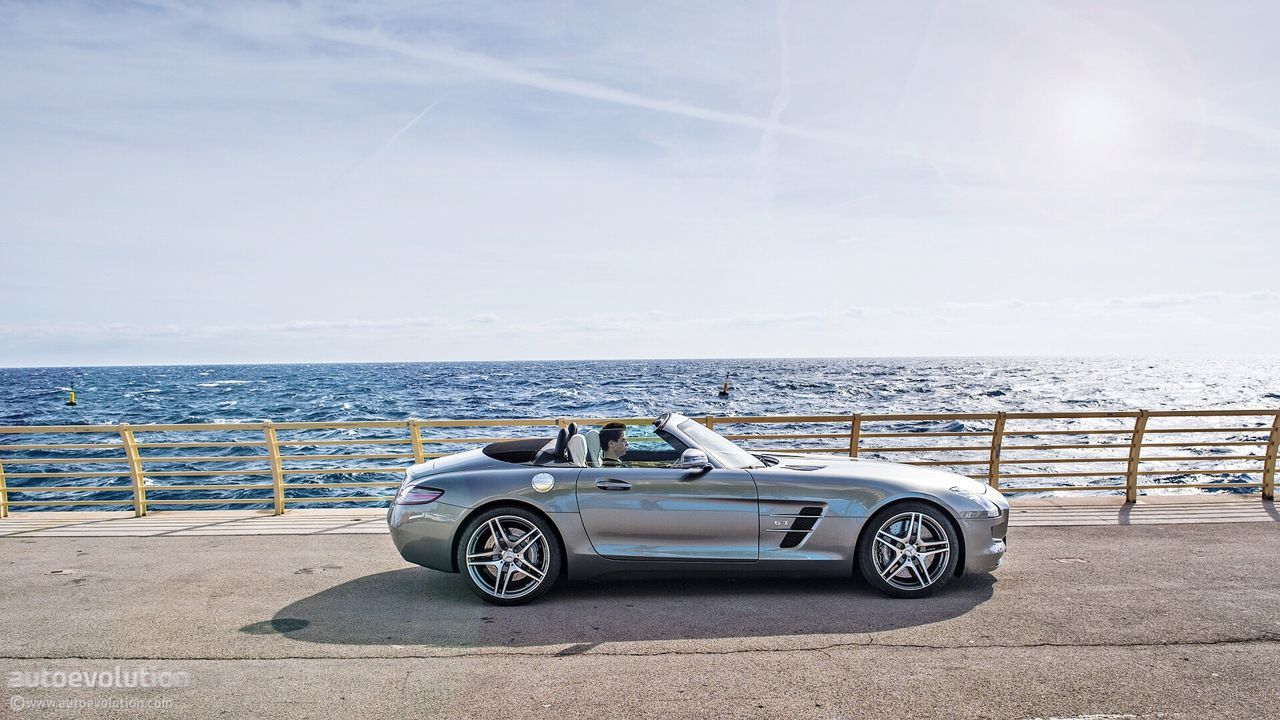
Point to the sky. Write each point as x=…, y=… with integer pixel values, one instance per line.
x=231, y=182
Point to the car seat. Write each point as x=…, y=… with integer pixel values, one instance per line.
x=578, y=451
x=593, y=449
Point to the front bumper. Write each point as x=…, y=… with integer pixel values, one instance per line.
x=985, y=541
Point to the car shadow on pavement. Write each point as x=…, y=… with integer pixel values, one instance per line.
x=415, y=606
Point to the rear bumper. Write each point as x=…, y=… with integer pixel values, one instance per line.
x=424, y=533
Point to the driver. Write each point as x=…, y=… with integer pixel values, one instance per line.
x=613, y=444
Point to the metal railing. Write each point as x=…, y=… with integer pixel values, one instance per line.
x=294, y=463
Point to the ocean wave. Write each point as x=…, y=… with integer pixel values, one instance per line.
x=645, y=388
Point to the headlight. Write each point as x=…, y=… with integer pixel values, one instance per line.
x=979, y=497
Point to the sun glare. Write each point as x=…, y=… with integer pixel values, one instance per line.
x=1095, y=120
x=1091, y=116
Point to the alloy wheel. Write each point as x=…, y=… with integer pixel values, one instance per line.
x=508, y=557
x=912, y=551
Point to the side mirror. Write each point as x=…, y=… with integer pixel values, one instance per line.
x=694, y=459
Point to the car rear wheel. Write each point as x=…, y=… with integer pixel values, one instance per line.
x=509, y=556
x=910, y=550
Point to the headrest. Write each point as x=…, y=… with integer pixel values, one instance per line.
x=578, y=450
x=593, y=449
x=562, y=446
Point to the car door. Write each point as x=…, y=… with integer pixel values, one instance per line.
x=654, y=513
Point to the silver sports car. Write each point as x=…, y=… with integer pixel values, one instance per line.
x=515, y=516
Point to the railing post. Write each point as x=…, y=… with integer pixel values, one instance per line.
x=709, y=422
x=1135, y=457
x=415, y=436
x=855, y=434
x=135, y=470
x=4, y=495
x=562, y=422
x=997, y=442
x=277, y=468
x=1268, y=467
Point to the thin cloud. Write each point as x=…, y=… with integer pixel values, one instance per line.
x=383, y=147
x=506, y=72
x=768, y=140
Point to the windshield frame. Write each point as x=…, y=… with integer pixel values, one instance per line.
x=723, y=450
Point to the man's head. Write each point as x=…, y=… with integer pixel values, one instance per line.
x=613, y=441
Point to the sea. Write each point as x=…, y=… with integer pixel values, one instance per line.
x=620, y=388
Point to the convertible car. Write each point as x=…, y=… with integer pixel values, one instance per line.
x=515, y=516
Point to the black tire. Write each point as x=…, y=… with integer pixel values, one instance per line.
x=912, y=536
x=503, y=569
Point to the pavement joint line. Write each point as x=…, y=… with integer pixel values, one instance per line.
x=557, y=650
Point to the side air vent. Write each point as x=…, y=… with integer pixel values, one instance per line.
x=804, y=522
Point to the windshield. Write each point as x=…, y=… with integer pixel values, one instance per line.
x=729, y=455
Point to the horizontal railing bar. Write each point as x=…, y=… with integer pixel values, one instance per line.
x=946, y=462
x=303, y=486
x=1074, y=414
x=1011, y=490
x=70, y=488
x=66, y=446
x=1201, y=458
x=370, y=498
x=335, y=471
x=1223, y=471
x=434, y=440
x=510, y=422
x=1211, y=413
x=367, y=456
x=781, y=419
x=201, y=473
x=949, y=433
x=50, y=429
x=1070, y=446
x=51, y=461
x=228, y=443
x=64, y=474
x=924, y=448
x=1099, y=431
x=197, y=427
x=1015, y=476
x=52, y=503
x=785, y=436
x=1167, y=431
x=221, y=486
x=363, y=441
x=1219, y=443
x=796, y=450
x=205, y=458
x=1201, y=486
x=213, y=501
x=1050, y=461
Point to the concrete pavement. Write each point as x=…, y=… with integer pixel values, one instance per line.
x=1116, y=620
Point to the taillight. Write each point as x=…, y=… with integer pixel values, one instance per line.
x=418, y=495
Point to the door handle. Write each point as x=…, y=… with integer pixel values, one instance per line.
x=613, y=484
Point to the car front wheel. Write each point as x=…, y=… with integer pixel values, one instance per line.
x=509, y=556
x=910, y=550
